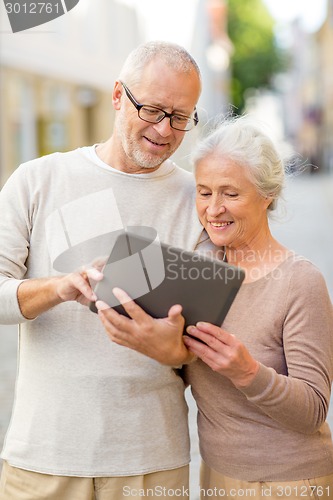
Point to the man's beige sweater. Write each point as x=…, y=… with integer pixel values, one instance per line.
x=85, y=406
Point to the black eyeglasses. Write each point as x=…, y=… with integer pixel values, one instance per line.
x=151, y=114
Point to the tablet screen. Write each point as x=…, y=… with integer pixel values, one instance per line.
x=158, y=276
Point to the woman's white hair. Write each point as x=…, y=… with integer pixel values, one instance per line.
x=242, y=141
x=173, y=55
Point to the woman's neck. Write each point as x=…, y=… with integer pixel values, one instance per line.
x=257, y=258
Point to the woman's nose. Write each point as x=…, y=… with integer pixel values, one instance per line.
x=215, y=208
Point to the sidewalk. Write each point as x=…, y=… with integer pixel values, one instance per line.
x=8, y=355
x=307, y=225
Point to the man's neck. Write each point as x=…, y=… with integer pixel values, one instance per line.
x=113, y=157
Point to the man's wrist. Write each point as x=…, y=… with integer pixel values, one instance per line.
x=37, y=295
x=185, y=358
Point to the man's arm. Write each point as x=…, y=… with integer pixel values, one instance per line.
x=36, y=296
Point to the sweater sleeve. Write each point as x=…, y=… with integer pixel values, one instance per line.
x=15, y=227
x=300, y=400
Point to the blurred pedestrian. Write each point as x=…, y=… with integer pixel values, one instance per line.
x=262, y=381
x=92, y=419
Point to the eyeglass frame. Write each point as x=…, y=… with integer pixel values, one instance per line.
x=138, y=107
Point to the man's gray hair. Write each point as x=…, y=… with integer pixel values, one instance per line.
x=241, y=140
x=173, y=55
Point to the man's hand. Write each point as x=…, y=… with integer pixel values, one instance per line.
x=78, y=286
x=160, y=339
x=36, y=296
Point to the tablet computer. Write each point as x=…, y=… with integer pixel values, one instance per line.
x=158, y=276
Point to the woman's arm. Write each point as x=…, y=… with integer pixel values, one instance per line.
x=300, y=399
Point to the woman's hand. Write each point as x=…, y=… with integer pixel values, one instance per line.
x=160, y=339
x=223, y=352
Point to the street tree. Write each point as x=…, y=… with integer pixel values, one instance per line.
x=256, y=56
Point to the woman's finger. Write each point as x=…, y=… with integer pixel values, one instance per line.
x=202, y=351
x=199, y=334
x=216, y=332
x=217, y=341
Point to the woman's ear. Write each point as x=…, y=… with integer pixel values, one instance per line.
x=268, y=201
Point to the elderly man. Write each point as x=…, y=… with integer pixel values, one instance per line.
x=92, y=419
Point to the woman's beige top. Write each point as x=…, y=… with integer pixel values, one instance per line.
x=274, y=429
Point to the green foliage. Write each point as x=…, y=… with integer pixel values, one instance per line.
x=256, y=57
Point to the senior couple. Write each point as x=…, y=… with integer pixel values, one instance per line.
x=95, y=418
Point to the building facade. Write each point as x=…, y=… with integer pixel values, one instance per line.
x=307, y=91
x=325, y=89
x=56, y=80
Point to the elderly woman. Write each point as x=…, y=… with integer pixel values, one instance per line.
x=261, y=382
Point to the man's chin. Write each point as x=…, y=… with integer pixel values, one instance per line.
x=148, y=161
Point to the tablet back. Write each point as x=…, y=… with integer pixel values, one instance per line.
x=157, y=276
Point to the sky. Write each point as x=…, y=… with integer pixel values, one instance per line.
x=311, y=12
x=165, y=20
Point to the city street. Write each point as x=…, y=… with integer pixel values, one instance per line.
x=306, y=227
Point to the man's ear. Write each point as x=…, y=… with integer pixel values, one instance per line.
x=116, y=94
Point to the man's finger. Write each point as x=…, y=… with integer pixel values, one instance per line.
x=114, y=333
x=132, y=309
x=175, y=314
x=118, y=321
x=80, y=283
x=175, y=311
x=101, y=306
x=94, y=274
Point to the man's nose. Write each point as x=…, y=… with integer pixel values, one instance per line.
x=164, y=127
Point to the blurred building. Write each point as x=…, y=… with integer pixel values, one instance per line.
x=212, y=49
x=325, y=89
x=56, y=80
x=307, y=91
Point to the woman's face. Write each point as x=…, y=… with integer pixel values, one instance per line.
x=228, y=204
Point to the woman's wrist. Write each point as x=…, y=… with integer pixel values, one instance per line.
x=244, y=380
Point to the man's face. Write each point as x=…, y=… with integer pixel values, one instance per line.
x=145, y=146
